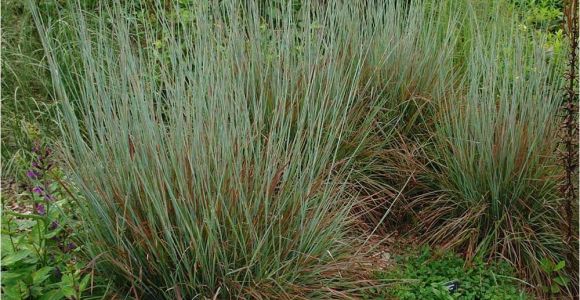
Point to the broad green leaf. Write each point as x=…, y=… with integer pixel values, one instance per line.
x=41, y=275
x=68, y=291
x=7, y=245
x=53, y=295
x=8, y=277
x=561, y=280
x=17, y=291
x=13, y=258
x=561, y=264
x=67, y=285
x=22, y=273
x=546, y=265
x=36, y=291
x=84, y=282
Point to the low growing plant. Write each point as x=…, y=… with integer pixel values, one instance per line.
x=438, y=276
x=40, y=258
x=558, y=281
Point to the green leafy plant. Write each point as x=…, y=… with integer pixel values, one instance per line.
x=39, y=255
x=541, y=14
x=557, y=279
x=433, y=275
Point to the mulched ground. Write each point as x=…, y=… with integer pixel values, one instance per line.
x=10, y=193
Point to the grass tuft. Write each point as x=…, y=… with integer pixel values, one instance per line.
x=494, y=144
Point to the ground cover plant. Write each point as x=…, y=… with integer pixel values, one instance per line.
x=250, y=149
x=431, y=274
x=40, y=256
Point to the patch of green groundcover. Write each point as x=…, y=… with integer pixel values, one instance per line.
x=432, y=275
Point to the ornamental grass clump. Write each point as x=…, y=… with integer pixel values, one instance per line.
x=207, y=145
x=408, y=68
x=494, y=144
